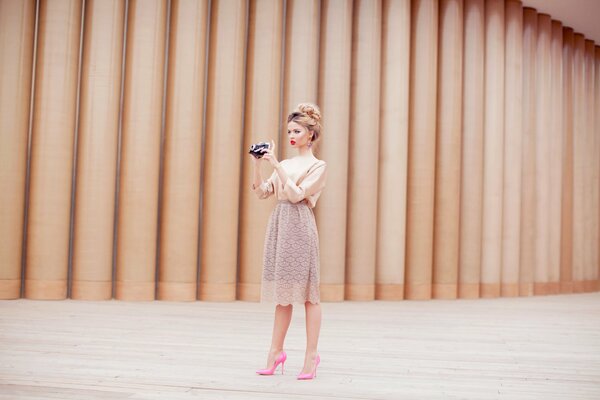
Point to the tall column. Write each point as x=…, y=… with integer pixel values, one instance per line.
x=301, y=63
x=528, y=199
x=51, y=165
x=421, y=149
x=578, y=163
x=364, y=151
x=591, y=206
x=513, y=134
x=566, y=240
x=493, y=149
x=140, y=150
x=556, y=159
x=97, y=144
x=179, y=223
x=393, y=155
x=263, y=97
x=471, y=189
x=597, y=136
x=220, y=201
x=334, y=100
x=448, y=143
x=542, y=157
x=597, y=131
x=17, y=25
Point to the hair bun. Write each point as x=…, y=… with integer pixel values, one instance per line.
x=311, y=110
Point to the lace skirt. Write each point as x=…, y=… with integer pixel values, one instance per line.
x=291, y=256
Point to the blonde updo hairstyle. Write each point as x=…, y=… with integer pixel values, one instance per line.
x=308, y=115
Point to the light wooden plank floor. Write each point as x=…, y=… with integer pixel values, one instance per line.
x=522, y=348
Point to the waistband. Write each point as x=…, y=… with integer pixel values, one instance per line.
x=302, y=202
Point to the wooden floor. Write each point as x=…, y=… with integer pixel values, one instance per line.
x=522, y=348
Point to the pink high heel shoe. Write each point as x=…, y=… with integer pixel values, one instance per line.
x=270, y=371
x=314, y=373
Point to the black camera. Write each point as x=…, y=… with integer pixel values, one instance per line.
x=258, y=149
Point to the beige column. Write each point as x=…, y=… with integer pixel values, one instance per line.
x=528, y=193
x=578, y=163
x=566, y=240
x=448, y=144
x=590, y=205
x=301, y=63
x=262, y=123
x=556, y=158
x=597, y=136
x=364, y=152
x=179, y=216
x=334, y=100
x=220, y=201
x=471, y=188
x=100, y=95
x=393, y=155
x=542, y=156
x=421, y=149
x=513, y=135
x=17, y=24
x=140, y=150
x=51, y=165
x=493, y=150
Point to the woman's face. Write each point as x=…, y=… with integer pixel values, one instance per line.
x=298, y=135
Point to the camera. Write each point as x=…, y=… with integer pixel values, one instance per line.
x=258, y=149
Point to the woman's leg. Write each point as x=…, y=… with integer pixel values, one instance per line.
x=313, y=327
x=283, y=317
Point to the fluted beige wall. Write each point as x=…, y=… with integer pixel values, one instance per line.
x=462, y=139
x=17, y=24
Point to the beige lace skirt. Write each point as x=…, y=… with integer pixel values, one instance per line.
x=291, y=256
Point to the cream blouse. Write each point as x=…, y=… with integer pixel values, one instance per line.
x=305, y=181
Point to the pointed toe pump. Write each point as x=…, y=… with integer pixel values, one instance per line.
x=270, y=371
x=313, y=374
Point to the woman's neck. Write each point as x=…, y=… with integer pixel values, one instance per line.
x=305, y=152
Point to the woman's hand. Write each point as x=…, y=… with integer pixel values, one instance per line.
x=269, y=155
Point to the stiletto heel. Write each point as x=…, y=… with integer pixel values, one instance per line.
x=314, y=373
x=270, y=371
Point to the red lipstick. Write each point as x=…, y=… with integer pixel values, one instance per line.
x=293, y=142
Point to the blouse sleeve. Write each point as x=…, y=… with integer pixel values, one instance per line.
x=266, y=188
x=313, y=183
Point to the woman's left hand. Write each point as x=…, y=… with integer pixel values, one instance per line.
x=269, y=155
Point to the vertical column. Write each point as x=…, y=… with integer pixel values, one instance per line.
x=448, y=143
x=97, y=149
x=542, y=156
x=471, y=189
x=597, y=136
x=528, y=199
x=140, y=150
x=17, y=24
x=59, y=30
x=556, y=158
x=334, y=100
x=591, y=206
x=566, y=240
x=493, y=149
x=513, y=134
x=421, y=149
x=364, y=149
x=301, y=62
x=261, y=124
x=178, y=241
x=597, y=132
x=578, y=163
x=393, y=145
x=220, y=201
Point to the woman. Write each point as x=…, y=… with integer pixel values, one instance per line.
x=291, y=253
